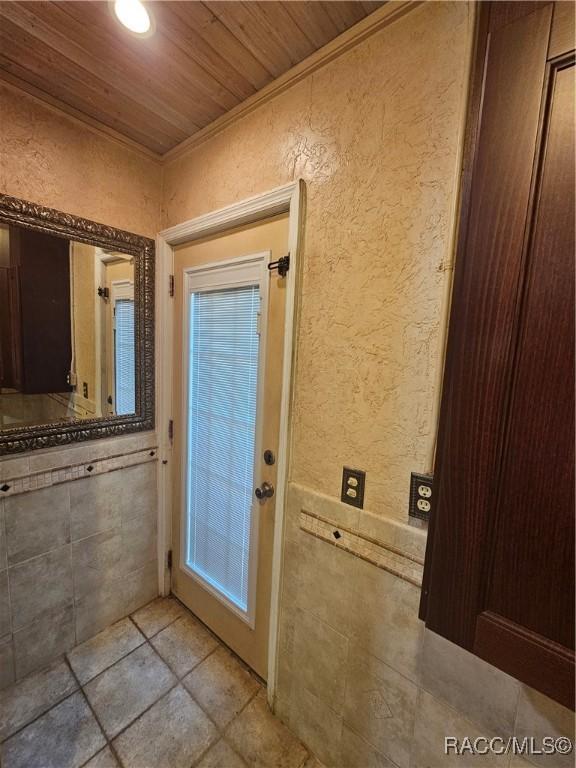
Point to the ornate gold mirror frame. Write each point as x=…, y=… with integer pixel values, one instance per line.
x=28, y=438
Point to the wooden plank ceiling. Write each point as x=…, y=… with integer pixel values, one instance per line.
x=202, y=60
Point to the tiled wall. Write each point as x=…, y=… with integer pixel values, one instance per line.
x=360, y=680
x=77, y=546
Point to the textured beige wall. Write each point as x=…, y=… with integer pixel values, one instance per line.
x=375, y=135
x=51, y=159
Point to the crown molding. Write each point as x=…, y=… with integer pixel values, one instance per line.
x=374, y=22
x=387, y=14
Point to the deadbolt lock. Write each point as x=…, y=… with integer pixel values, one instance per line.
x=265, y=491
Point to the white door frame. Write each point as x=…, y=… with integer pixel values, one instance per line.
x=286, y=199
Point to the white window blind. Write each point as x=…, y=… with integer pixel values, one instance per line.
x=223, y=372
x=124, y=364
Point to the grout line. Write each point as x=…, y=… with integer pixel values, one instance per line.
x=105, y=669
x=220, y=731
x=179, y=682
x=133, y=620
x=139, y=715
x=95, y=716
x=241, y=710
x=245, y=666
x=39, y=715
x=219, y=644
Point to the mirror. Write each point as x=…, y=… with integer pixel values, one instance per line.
x=76, y=328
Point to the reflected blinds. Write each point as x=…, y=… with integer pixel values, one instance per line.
x=124, y=363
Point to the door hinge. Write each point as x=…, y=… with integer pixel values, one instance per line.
x=169, y=559
x=171, y=285
x=171, y=430
x=282, y=265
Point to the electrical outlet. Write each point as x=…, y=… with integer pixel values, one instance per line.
x=353, y=482
x=421, y=496
x=85, y=389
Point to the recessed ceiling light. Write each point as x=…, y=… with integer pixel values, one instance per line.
x=133, y=15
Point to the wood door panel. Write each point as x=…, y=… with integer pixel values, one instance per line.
x=562, y=36
x=536, y=661
x=499, y=571
x=484, y=310
x=538, y=469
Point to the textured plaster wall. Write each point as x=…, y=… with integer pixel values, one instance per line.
x=96, y=561
x=375, y=135
x=51, y=159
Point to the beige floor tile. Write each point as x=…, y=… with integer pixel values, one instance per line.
x=158, y=614
x=124, y=691
x=221, y=756
x=172, y=734
x=104, y=650
x=262, y=740
x=183, y=644
x=221, y=685
x=65, y=737
x=23, y=702
x=104, y=759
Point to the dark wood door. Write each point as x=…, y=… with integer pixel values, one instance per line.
x=43, y=267
x=499, y=577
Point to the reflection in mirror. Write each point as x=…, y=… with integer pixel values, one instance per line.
x=66, y=330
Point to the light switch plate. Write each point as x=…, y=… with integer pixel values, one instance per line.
x=421, y=496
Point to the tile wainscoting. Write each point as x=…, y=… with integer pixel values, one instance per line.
x=360, y=680
x=77, y=546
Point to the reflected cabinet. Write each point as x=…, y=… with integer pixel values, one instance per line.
x=76, y=329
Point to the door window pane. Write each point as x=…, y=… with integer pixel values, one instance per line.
x=222, y=391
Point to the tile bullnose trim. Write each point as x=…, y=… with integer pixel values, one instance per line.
x=389, y=532
x=79, y=470
x=382, y=555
